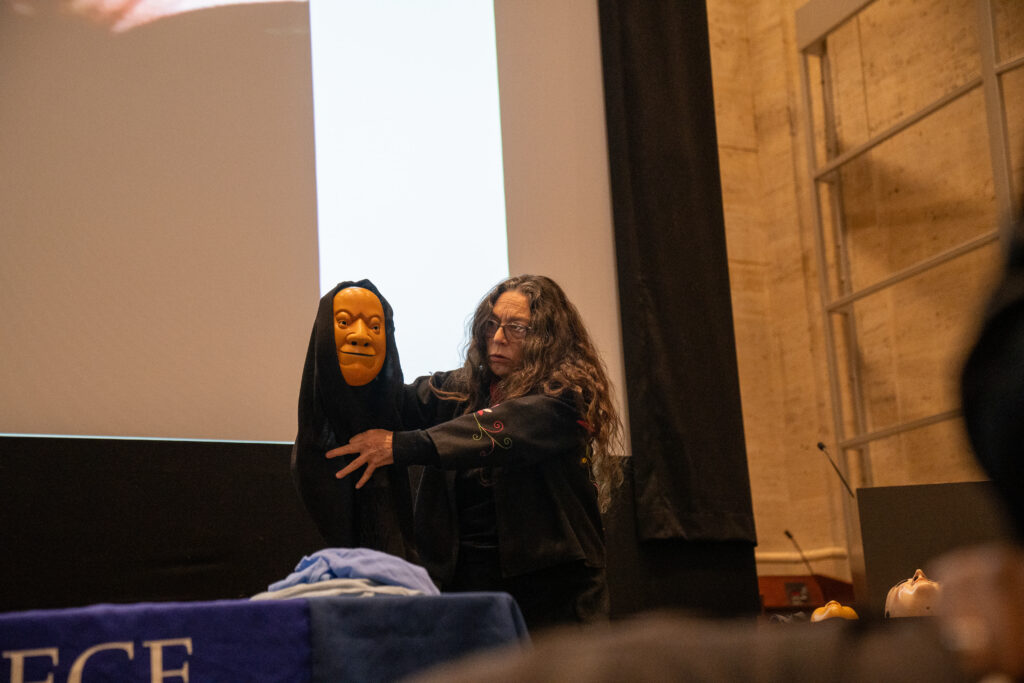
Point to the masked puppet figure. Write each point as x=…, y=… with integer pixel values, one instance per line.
x=351, y=382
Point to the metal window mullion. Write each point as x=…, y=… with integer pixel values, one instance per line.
x=1009, y=65
x=916, y=269
x=818, y=18
x=823, y=287
x=899, y=127
x=851, y=525
x=848, y=320
x=858, y=441
x=836, y=185
x=995, y=114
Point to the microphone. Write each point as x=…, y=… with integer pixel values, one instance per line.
x=807, y=563
x=800, y=551
x=821, y=447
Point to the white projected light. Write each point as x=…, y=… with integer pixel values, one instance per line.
x=408, y=162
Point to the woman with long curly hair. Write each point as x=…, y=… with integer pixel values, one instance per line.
x=519, y=451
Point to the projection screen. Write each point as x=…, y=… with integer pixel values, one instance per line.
x=161, y=184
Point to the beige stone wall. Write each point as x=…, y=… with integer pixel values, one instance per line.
x=783, y=378
x=925, y=190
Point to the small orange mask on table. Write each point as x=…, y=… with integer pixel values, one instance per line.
x=359, y=335
x=833, y=610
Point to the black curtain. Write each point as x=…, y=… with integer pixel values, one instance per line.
x=94, y=520
x=689, y=458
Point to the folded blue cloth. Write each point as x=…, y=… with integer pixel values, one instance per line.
x=358, y=563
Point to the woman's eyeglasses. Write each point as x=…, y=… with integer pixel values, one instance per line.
x=514, y=332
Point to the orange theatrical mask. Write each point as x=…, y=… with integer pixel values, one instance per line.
x=833, y=610
x=359, y=335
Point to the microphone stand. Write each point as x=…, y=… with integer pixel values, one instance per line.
x=821, y=447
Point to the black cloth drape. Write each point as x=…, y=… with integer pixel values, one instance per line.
x=689, y=456
x=379, y=515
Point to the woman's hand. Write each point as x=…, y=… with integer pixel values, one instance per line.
x=374, y=449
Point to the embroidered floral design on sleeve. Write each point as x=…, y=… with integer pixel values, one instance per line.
x=503, y=442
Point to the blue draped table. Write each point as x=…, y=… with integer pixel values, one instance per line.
x=311, y=639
